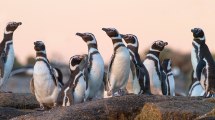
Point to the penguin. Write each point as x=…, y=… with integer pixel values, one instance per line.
x=206, y=65
x=74, y=89
x=7, y=52
x=119, y=66
x=152, y=64
x=141, y=83
x=47, y=81
x=167, y=65
x=95, y=68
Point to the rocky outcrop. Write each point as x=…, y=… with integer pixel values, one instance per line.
x=130, y=107
x=13, y=105
x=18, y=100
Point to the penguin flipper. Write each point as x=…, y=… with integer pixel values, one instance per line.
x=58, y=74
x=164, y=85
x=109, y=67
x=201, y=65
x=2, y=61
x=133, y=70
x=32, y=86
x=105, y=82
x=146, y=81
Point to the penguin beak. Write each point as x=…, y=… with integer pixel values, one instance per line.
x=35, y=43
x=105, y=29
x=80, y=34
x=19, y=23
x=194, y=30
x=166, y=43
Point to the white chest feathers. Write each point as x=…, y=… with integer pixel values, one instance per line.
x=119, y=70
x=8, y=64
x=194, y=56
x=45, y=89
x=96, y=73
x=155, y=83
x=196, y=89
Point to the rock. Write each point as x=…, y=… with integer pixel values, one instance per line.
x=18, y=100
x=8, y=113
x=128, y=108
x=168, y=110
x=208, y=116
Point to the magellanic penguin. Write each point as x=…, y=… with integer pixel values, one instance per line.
x=140, y=82
x=152, y=64
x=167, y=67
x=7, y=52
x=94, y=72
x=119, y=66
x=206, y=65
x=74, y=89
x=199, y=39
x=47, y=81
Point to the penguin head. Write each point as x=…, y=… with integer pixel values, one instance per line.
x=75, y=61
x=198, y=35
x=39, y=46
x=158, y=45
x=167, y=63
x=12, y=26
x=197, y=32
x=112, y=33
x=87, y=37
x=130, y=39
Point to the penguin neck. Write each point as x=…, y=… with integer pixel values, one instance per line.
x=92, y=45
x=41, y=54
x=114, y=41
x=8, y=36
x=7, y=40
x=199, y=41
x=155, y=53
x=117, y=45
x=75, y=71
x=135, y=55
x=134, y=49
x=167, y=70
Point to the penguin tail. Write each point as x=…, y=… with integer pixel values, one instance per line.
x=201, y=65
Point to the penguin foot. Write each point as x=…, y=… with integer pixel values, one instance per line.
x=42, y=108
x=209, y=94
x=109, y=93
x=120, y=92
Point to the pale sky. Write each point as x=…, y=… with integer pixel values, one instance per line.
x=56, y=21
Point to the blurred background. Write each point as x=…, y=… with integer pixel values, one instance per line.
x=56, y=22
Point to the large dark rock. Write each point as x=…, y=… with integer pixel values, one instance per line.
x=8, y=113
x=18, y=100
x=21, y=106
x=130, y=107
